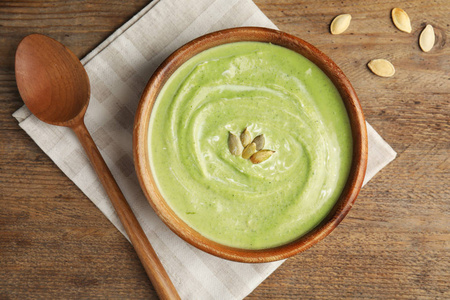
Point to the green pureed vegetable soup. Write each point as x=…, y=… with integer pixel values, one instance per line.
x=270, y=90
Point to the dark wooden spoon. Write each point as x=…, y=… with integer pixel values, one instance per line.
x=55, y=87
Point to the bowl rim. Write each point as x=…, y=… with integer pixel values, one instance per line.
x=354, y=111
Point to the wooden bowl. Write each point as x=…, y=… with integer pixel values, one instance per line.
x=354, y=111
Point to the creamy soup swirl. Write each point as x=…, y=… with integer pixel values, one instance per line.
x=272, y=91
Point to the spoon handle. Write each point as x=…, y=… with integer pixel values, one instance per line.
x=147, y=255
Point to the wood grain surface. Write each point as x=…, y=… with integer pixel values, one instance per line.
x=394, y=244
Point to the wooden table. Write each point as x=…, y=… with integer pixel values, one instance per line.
x=54, y=243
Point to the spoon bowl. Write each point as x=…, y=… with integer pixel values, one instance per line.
x=51, y=80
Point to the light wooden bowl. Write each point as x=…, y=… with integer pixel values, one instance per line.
x=354, y=111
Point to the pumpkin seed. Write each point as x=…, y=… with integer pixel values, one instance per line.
x=246, y=137
x=401, y=20
x=249, y=151
x=234, y=145
x=427, y=38
x=381, y=67
x=340, y=24
x=261, y=156
x=260, y=140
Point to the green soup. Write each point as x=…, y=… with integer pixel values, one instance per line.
x=273, y=91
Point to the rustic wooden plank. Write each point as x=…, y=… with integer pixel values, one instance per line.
x=54, y=243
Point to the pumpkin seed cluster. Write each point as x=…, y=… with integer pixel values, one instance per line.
x=401, y=20
x=248, y=148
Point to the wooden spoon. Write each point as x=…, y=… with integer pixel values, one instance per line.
x=55, y=87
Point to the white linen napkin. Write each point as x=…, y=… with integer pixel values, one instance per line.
x=119, y=69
